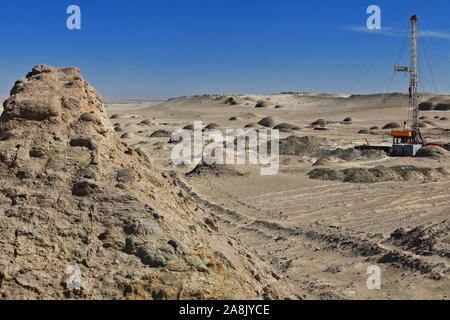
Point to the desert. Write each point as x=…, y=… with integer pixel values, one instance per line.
x=313, y=228
x=331, y=211
x=224, y=159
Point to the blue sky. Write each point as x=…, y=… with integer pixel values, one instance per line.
x=166, y=48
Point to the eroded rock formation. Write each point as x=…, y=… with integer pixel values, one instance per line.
x=72, y=194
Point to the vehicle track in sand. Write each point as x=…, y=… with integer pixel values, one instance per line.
x=330, y=262
x=379, y=208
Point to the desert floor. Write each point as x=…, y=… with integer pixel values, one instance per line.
x=320, y=235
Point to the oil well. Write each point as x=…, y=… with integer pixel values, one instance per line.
x=408, y=140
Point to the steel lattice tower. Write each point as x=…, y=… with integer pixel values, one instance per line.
x=414, y=83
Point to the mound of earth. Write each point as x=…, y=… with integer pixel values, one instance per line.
x=231, y=101
x=261, y=104
x=347, y=120
x=303, y=146
x=145, y=122
x=392, y=125
x=352, y=154
x=435, y=104
x=434, y=152
x=251, y=125
x=426, y=106
x=427, y=240
x=320, y=122
x=444, y=106
x=233, y=119
x=189, y=127
x=212, y=126
x=161, y=134
x=322, y=129
x=286, y=126
x=326, y=174
x=267, y=122
x=74, y=197
x=217, y=170
x=126, y=135
x=118, y=128
x=379, y=174
x=322, y=148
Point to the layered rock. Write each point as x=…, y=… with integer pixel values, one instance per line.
x=73, y=195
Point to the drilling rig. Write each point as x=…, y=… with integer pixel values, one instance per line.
x=407, y=142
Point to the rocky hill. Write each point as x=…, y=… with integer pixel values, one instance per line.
x=73, y=195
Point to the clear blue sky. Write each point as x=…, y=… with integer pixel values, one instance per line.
x=166, y=48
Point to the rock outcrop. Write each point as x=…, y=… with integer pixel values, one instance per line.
x=73, y=195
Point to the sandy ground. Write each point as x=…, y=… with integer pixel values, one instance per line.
x=320, y=235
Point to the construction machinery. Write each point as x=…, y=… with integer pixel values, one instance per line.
x=408, y=141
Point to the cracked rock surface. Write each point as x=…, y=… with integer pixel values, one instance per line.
x=73, y=195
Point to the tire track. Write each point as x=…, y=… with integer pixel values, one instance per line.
x=344, y=244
